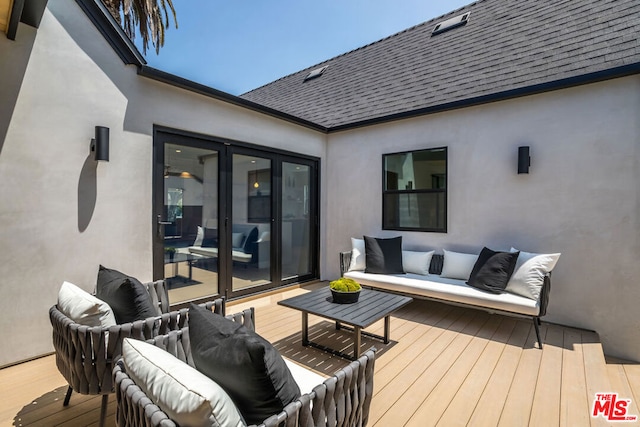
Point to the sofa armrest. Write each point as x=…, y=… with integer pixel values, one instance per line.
x=544, y=294
x=345, y=262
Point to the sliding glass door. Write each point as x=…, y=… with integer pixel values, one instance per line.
x=231, y=219
x=251, y=217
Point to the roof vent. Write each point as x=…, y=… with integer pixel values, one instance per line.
x=316, y=73
x=456, y=21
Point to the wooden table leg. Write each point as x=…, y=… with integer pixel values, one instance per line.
x=305, y=328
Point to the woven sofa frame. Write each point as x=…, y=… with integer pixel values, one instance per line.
x=84, y=355
x=437, y=261
x=343, y=399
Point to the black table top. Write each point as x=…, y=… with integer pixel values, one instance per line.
x=371, y=307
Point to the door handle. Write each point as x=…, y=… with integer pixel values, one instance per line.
x=159, y=224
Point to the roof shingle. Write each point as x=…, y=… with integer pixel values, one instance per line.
x=506, y=45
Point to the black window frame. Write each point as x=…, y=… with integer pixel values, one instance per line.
x=444, y=191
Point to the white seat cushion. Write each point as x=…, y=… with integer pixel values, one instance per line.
x=447, y=289
x=305, y=378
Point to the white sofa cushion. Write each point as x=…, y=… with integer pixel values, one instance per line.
x=84, y=308
x=358, y=255
x=458, y=265
x=447, y=289
x=528, y=277
x=199, y=237
x=187, y=396
x=305, y=378
x=416, y=262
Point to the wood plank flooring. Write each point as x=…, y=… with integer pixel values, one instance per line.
x=445, y=366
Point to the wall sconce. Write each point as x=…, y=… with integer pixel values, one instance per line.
x=524, y=160
x=100, y=144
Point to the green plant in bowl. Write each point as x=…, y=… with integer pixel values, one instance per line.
x=345, y=290
x=345, y=284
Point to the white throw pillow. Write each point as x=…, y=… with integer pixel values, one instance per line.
x=236, y=239
x=457, y=265
x=416, y=262
x=187, y=396
x=358, y=261
x=84, y=308
x=199, y=237
x=528, y=276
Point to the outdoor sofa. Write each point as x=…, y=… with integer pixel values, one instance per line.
x=246, y=243
x=343, y=399
x=445, y=277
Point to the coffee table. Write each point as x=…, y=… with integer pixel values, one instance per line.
x=179, y=257
x=371, y=307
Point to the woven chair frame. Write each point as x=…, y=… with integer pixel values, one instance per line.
x=342, y=400
x=85, y=355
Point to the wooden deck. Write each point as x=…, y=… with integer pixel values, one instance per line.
x=445, y=366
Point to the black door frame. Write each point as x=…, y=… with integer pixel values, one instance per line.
x=227, y=148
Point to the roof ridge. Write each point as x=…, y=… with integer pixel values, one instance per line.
x=321, y=64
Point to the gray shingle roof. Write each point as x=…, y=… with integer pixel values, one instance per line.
x=505, y=46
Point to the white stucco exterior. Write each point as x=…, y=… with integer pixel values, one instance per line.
x=581, y=197
x=61, y=214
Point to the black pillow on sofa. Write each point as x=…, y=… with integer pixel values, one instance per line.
x=493, y=270
x=210, y=239
x=243, y=363
x=127, y=297
x=383, y=256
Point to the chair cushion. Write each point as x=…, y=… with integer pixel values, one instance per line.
x=492, y=270
x=456, y=265
x=128, y=298
x=187, y=396
x=383, y=256
x=247, y=366
x=84, y=308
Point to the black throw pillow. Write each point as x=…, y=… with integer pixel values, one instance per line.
x=210, y=239
x=244, y=364
x=493, y=270
x=127, y=297
x=383, y=256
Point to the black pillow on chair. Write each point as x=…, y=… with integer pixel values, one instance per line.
x=243, y=363
x=127, y=297
x=383, y=256
x=493, y=270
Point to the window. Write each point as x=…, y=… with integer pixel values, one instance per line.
x=414, y=193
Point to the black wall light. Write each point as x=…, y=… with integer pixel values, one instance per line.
x=100, y=144
x=524, y=160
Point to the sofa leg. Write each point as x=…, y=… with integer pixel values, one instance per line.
x=67, y=397
x=536, y=322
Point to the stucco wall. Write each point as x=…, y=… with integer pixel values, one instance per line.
x=62, y=214
x=581, y=197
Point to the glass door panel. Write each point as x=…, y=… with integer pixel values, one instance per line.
x=251, y=222
x=190, y=222
x=296, y=223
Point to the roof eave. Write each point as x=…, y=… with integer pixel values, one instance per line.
x=112, y=32
x=176, y=81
